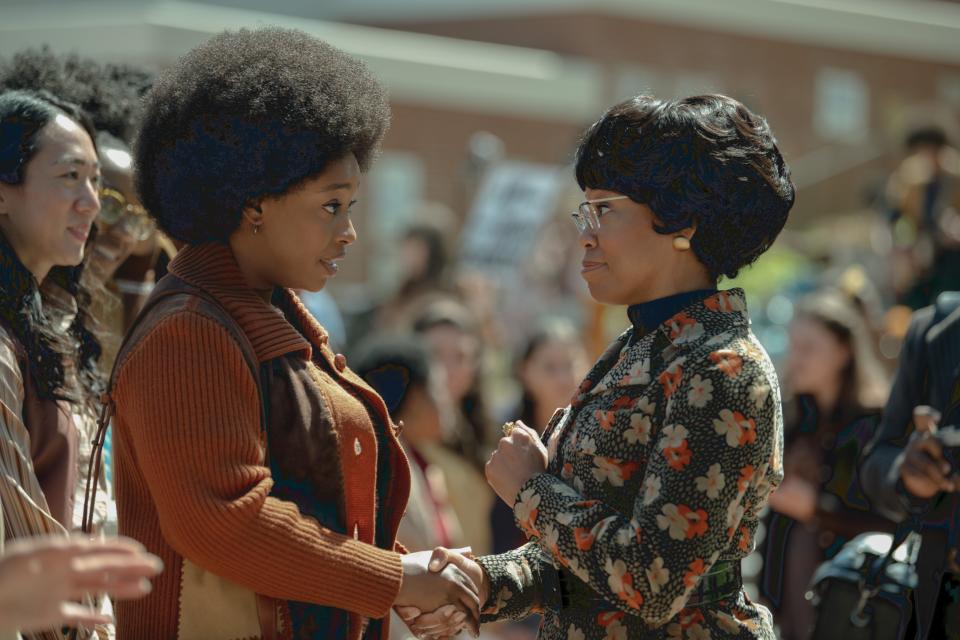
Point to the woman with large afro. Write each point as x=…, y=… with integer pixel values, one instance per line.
x=265, y=474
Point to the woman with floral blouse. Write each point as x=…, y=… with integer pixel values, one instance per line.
x=644, y=494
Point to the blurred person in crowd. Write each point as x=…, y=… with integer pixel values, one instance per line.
x=647, y=491
x=910, y=474
x=449, y=332
x=549, y=367
x=923, y=199
x=423, y=277
x=398, y=367
x=49, y=177
x=837, y=390
x=43, y=580
x=280, y=504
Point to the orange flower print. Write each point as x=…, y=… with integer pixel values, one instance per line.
x=613, y=471
x=744, y=543
x=724, y=302
x=683, y=328
x=583, y=538
x=696, y=569
x=670, y=378
x=727, y=361
x=682, y=522
x=678, y=457
x=526, y=511
x=746, y=476
x=620, y=582
x=738, y=430
x=606, y=618
x=606, y=419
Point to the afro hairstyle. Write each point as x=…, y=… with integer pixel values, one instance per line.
x=248, y=115
x=110, y=94
x=704, y=160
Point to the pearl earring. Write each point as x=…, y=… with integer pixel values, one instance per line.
x=681, y=243
x=256, y=229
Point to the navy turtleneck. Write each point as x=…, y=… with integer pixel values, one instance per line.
x=647, y=316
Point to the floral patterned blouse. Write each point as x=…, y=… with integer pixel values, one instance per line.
x=662, y=464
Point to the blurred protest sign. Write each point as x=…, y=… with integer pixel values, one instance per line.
x=512, y=204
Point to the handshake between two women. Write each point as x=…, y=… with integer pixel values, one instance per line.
x=442, y=593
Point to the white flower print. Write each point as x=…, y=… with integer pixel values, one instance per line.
x=712, y=483
x=701, y=391
x=734, y=514
x=638, y=373
x=672, y=519
x=639, y=431
x=578, y=484
x=628, y=535
x=732, y=426
x=564, y=518
x=616, y=631
x=685, y=330
x=551, y=538
x=759, y=394
x=673, y=436
x=575, y=634
x=651, y=489
x=657, y=575
x=616, y=570
x=564, y=489
x=503, y=596
x=526, y=507
x=588, y=445
x=644, y=405
x=697, y=632
x=726, y=622
x=607, y=470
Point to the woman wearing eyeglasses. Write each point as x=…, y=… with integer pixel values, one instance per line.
x=645, y=492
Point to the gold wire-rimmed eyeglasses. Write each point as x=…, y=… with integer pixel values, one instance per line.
x=588, y=215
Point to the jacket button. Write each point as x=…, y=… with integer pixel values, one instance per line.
x=357, y=449
x=340, y=362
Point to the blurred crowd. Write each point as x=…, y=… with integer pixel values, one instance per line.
x=455, y=351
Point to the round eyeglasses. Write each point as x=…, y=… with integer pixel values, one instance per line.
x=114, y=209
x=588, y=215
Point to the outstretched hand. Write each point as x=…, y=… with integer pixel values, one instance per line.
x=439, y=623
x=430, y=586
x=41, y=579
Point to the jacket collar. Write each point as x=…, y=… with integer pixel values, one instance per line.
x=213, y=268
x=704, y=319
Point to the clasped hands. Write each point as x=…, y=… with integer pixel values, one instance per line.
x=519, y=456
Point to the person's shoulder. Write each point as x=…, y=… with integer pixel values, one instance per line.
x=187, y=332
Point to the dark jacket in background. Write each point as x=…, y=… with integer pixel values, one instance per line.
x=927, y=375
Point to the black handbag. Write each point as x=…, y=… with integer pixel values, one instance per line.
x=866, y=590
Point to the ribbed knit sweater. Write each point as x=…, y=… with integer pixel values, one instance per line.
x=191, y=475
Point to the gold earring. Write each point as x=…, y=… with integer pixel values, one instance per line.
x=681, y=243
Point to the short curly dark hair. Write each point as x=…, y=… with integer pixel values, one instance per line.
x=110, y=94
x=706, y=160
x=246, y=115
